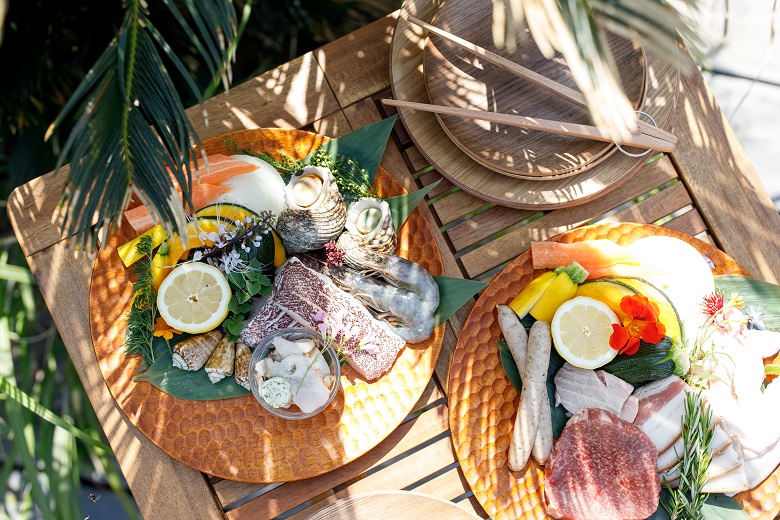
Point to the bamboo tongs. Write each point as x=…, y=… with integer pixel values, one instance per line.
x=646, y=136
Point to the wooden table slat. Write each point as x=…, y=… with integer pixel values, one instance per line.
x=397, y=476
x=485, y=225
x=558, y=221
x=689, y=222
x=457, y=205
x=655, y=207
x=230, y=492
x=722, y=182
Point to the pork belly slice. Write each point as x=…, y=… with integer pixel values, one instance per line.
x=302, y=293
x=578, y=388
x=601, y=468
x=661, y=407
x=720, y=442
x=269, y=319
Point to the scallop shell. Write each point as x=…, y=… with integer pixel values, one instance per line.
x=315, y=212
x=243, y=356
x=369, y=228
x=192, y=353
x=220, y=364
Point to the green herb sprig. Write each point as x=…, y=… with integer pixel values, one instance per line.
x=352, y=180
x=246, y=284
x=686, y=501
x=143, y=310
x=285, y=165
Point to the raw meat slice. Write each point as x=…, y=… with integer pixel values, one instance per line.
x=601, y=468
x=578, y=388
x=302, y=293
x=661, y=407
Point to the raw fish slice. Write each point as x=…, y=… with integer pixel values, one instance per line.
x=590, y=254
x=192, y=353
x=243, y=357
x=141, y=220
x=765, y=342
x=661, y=407
x=759, y=466
x=579, y=388
x=286, y=348
x=269, y=319
x=308, y=390
x=731, y=482
x=727, y=460
x=221, y=363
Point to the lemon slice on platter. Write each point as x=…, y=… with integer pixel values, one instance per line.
x=194, y=298
x=581, y=329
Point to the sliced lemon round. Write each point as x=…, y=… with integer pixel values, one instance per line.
x=194, y=298
x=581, y=329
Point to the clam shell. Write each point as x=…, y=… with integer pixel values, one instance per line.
x=243, y=357
x=192, y=353
x=315, y=212
x=369, y=228
x=221, y=362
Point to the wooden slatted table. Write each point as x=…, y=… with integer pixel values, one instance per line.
x=706, y=188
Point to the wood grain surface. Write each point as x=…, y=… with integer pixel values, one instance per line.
x=456, y=78
x=392, y=505
x=236, y=438
x=484, y=402
x=408, y=84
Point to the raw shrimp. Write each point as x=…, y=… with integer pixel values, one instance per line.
x=406, y=296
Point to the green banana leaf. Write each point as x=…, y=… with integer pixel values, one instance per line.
x=185, y=384
x=453, y=294
x=764, y=296
x=717, y=507
x=403, y=205
x=366, y=145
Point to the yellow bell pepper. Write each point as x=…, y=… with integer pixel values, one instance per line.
x=127, y=251
x=561, y=289
x=523, y=302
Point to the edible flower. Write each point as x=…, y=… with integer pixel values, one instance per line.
x=334, y=255
x=643, y=325
x=726, y=315
x=755, y=318
x=162, y=329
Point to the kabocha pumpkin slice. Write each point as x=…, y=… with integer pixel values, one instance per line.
x=243, y=356
x=192, y=353
x=220, y=364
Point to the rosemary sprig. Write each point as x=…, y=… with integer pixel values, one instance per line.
x=686, y=501
x=140, y=319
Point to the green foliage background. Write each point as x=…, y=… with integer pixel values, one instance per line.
x=47, y=48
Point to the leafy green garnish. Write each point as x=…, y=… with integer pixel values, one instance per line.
x=285, y=165
x=140, y=319
x=245, y=285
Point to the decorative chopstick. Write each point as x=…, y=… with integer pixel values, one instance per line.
x=557, y=127
x=537, y=79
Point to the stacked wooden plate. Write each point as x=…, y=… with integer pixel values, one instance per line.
x=515, y=167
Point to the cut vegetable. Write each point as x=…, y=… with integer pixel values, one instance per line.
x=560, y=290
x=229, y=212
x=528, y=297
x=127, y=251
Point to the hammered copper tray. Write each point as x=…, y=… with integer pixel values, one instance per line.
x=236, y=438
x=483, y=401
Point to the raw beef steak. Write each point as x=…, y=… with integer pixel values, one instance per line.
x=601, y=468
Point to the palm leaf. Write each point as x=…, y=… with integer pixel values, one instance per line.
x=129, y=121
x=576, y=29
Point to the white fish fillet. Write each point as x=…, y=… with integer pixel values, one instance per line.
x=661, y=407
x=579, y=388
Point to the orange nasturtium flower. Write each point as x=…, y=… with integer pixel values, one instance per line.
x=643, y=324
x=161, y=328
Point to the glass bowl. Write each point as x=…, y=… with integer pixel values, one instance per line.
x=327, y=352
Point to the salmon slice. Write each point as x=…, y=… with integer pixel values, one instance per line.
x=595, y=256
x=141, y=220
x=221, y=168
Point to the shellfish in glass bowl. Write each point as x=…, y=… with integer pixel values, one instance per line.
x=294, y=373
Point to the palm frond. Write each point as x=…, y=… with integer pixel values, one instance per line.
x=130, y=126
x=576, y=29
